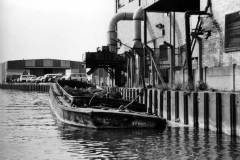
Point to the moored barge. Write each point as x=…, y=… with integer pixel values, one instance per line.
x=91, y=111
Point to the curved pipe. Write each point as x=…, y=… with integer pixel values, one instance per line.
x=137, y=18
x=112, y=34
x=137, y=43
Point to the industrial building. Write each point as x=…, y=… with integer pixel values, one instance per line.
x=13, y=69
x=182, y=41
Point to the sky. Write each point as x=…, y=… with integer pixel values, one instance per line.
x=60, y=29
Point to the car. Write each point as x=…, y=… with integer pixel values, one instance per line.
x=54, y=78
x=75, y=76
x=50, y=77
x=32, y=79
x=25, y=78
x=38, y=79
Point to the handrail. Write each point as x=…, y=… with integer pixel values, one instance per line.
x=155, y=66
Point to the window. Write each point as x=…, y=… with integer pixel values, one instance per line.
x=39, y=63
x=232, y=32
x=56, y=63
x=18, y=64
x=163, y=52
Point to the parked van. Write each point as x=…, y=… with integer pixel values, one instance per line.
x=75, y=76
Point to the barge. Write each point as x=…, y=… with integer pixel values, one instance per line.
x=92, y=111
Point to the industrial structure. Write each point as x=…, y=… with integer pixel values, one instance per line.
x=171, y=42
x=39, y=67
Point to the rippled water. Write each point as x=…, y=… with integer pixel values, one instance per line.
x=28, y=131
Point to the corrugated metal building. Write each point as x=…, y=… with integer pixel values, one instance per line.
x=38, y=67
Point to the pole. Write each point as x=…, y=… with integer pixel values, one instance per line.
x=188, y=46
x=188, y=42
x=173, y=51
x=145, y=43
x=200, y=69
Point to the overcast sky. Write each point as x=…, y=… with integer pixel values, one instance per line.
x=62, y=29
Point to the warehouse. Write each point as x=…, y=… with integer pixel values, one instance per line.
x=11, y=70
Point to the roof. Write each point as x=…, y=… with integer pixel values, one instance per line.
x=174, y=6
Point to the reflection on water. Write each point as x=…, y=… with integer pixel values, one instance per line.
x=29, y=131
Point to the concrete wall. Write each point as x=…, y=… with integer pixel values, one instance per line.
x=216, y=111
x=225, y=78
x=215, y=43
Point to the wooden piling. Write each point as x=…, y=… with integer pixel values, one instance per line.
x=149, y=104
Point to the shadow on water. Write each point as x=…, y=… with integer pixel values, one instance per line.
x=110, y=143
x=171, y=143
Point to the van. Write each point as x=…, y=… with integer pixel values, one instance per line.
x=25, y=78
x=76, y=77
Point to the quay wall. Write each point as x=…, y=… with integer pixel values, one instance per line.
x=215, y=111
x=26, y=86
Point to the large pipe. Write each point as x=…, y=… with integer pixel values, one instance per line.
x=137, y=44
x=188, y=50
x=137, y=18
x=112, y=34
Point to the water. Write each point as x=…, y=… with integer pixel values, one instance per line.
x=28, y=131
